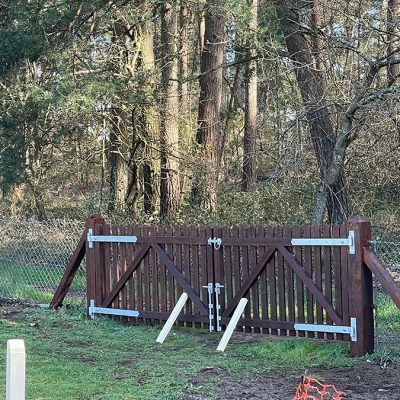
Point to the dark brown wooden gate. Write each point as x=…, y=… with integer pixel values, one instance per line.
x=285, y=284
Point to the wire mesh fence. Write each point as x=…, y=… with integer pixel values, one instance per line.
x=33, y=257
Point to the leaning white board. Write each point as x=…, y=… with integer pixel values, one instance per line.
x=232, y=324
x=15, y=370
x=172, y=318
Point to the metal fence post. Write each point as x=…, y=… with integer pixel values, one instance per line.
x=361, y=289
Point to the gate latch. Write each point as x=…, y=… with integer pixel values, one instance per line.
x=215, y=241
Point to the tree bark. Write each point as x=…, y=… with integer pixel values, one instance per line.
x=170, y=185
x=150, y=125
x=205, y=183
x=312, y=86
x=393, y=69
x=250, y=119
x=118, y=167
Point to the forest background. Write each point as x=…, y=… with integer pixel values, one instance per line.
x=237, y=112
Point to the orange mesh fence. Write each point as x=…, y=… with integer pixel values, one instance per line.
x=312, y=389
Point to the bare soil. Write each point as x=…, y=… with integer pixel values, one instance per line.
x=366, y=380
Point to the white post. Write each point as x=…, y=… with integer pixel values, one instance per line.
x=172, y=318
x=232, y=324
x=15, y=370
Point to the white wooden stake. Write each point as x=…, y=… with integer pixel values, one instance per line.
x=15, y=370
x=232, y=324
x=172, y=318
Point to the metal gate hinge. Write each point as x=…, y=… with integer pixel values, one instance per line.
x=349, y=242
x=349, y=330
x=215, y=241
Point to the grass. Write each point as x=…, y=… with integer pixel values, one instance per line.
x=72, y=358
x=36, y=283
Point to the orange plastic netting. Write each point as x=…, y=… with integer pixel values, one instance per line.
x=312, y=389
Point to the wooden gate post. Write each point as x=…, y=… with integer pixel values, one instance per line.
x=90, y=223
x=361, y=289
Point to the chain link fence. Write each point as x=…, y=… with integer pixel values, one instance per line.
x=33, y=258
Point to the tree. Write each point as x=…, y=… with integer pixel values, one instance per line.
x=205, y=183
x=250, y=120
x=312, y=85
x=170, y=184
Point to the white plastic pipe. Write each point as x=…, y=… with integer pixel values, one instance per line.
x=232, y=324
x=172, y=318
x=16, y=369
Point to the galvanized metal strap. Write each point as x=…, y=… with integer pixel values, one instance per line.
x=350, y=330
x=110, y=311
x=349, y=241
x=108, y=239
x=218, y=287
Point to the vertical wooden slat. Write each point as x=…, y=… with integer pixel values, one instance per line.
x=272, y=270
x=123, y=266
x=178, y=247
x=309, y=270
x=245, y=273
x=337, y=277
x=263, y=233
x=155, y=279
x=171, y=282
x=290, y=287
x=194, y=253
x=187, y=270
x=115, y=266
x=129, y=259
x=298, y=251
x=255, y=287
x=281, y=285
x=163, y=277
x=236, y=267
x=328, y=275
x=316, y=233
x=139, y=282
x=345, y=280
x=146, y=275
x=99, y=260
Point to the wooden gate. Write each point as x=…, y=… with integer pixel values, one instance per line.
x=287, y=285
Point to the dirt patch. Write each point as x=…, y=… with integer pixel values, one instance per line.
x=10, y=309
x=363, y=381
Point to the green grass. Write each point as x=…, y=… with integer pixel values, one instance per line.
x=35, y=283
x=69, y=357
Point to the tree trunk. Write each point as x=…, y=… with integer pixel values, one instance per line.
x=312, y=88
x=150, y=125
x=250, y=119
x=118, y=167
x=393, y=70
x=204, y=189
x=170, y=185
